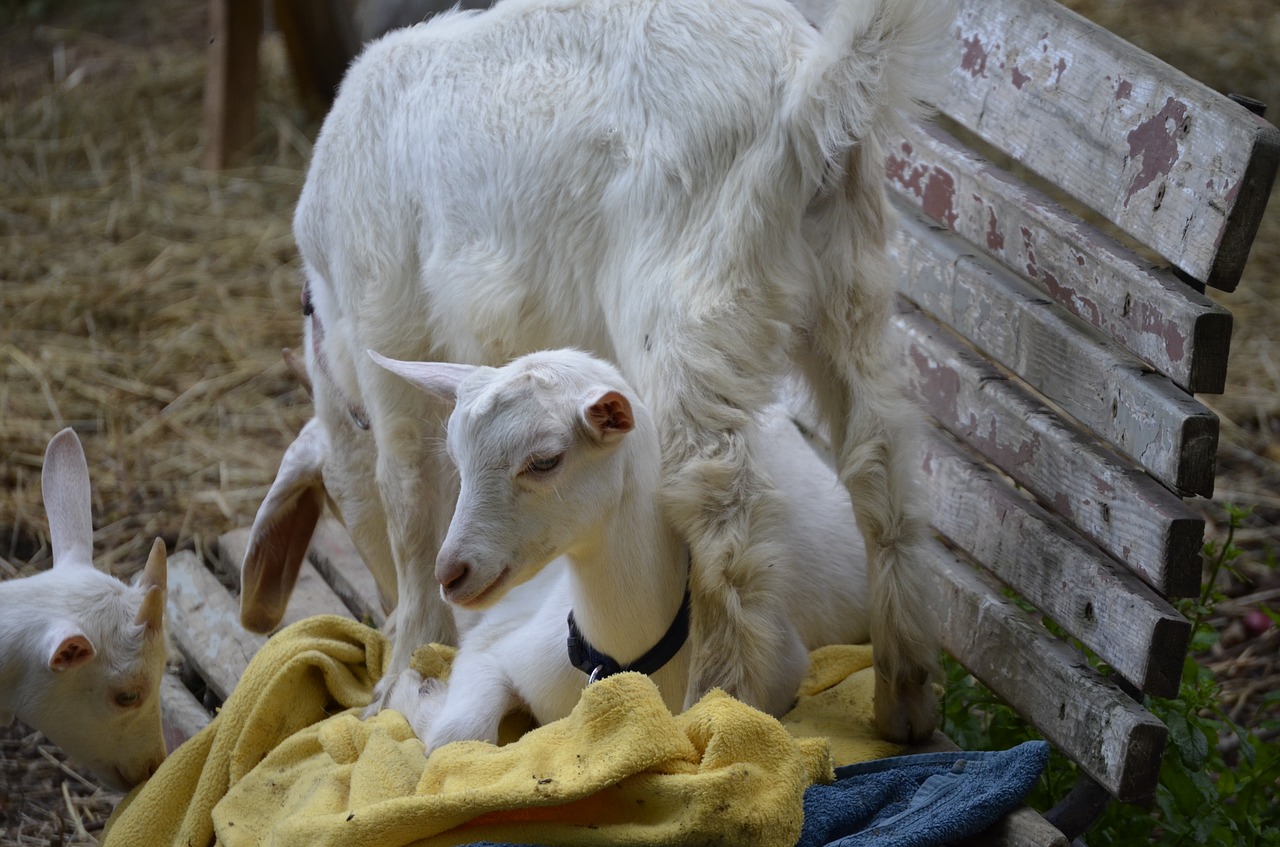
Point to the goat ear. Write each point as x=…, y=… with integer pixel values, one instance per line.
x=65, y=483
x=610, y=417
x=68, y=648
x=151, y=612
x=282, y=531
x=156, y=571
x=439, y=379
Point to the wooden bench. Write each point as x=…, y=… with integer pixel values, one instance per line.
x=1059, y=364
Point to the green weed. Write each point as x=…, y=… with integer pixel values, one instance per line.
x=1209, y=793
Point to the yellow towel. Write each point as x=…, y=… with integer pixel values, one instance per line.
x=287, y=761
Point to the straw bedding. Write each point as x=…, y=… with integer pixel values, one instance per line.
x=145, y=301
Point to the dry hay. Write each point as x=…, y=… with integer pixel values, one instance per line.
x=145, y=302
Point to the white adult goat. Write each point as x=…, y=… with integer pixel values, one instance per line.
x=690, y=188
x=82, y=654
x=559, y=460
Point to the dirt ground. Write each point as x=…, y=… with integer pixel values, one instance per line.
x=144, y=301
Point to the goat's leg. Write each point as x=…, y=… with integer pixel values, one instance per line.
x=418, y=491
x=478, y=695
x=872, y=432
x=704, y=386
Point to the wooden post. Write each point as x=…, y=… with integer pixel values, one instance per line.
x=320, y=39
x=231, y=83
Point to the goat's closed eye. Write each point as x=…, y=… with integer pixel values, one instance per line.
x=128, y=698
x=541, y=464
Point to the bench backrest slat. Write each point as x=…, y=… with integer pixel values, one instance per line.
x=1059, y=366
x=1111, y=737
x=1152, y=313
x=1180, y=168
x=1089, y=595
x=1106, y=388
x=1122, y=510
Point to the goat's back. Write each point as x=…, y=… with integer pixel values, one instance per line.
x=523, y=165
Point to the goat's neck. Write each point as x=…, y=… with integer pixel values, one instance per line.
x=627, y=580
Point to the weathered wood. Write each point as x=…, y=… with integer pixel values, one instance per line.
x=1124, y=511
x=1022, y=827
x=311, y=594
x=336, y=559
x=1111, y=737
x=1143, y=414
x=1149, y=311
x=231, y=81
x=1179, y=167
x=1105, y=606
x=181, y=714
x=205, y=622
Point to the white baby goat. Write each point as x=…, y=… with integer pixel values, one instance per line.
x=558, y=457
x=690, y=188
x=82, y=654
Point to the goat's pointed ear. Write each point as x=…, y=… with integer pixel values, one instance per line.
x=282, y=530
x=609, y=417
x=65, y=483
x=156, y=571
x=151, y=612
x=439, y=379
x=68, y=648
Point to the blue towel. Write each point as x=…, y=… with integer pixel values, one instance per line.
x=915, y=801
x=921, y=800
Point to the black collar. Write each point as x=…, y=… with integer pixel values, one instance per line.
x=597, y=665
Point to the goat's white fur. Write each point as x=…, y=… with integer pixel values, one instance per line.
x=618, y=563
x=690, y=188
x=82, y=654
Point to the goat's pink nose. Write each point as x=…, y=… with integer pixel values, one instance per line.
x=452, y=574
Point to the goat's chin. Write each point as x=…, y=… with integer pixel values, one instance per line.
x=488, y=594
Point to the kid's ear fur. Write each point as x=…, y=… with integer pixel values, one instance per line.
x=439, y=379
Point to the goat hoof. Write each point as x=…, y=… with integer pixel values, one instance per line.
x=906, y=711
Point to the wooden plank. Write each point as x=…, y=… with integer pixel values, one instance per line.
x=1102, y=604
x=1171, y=162
x=311, y=594
x=1149, y=311
x=1144, y=415
x=1111, y=737
x=1121, y=509
x=205, y=622
x=335, y=557
x=181, y=714
x=1023, y=827
x=231, y=81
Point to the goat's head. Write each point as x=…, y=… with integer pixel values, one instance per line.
x=537, y=444
x=100, y=646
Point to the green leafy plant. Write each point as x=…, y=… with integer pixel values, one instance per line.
x=1210, y=792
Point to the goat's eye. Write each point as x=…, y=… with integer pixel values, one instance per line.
x=542, y=464
x=127, y=698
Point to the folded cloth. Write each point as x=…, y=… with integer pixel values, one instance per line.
x=921, y=800
x=287, y=761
